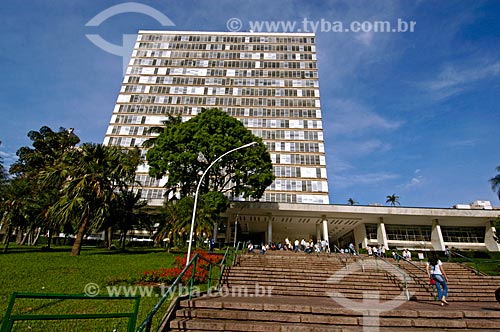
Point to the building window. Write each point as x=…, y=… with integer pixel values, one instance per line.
x=371, y=231
x=463, y=234
x=408, y=233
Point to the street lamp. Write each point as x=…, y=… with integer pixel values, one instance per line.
x=198, y=189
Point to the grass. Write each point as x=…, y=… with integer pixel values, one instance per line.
x=486, y=262
x=31, y=270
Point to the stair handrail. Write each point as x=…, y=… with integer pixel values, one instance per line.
x=223, y=267
x=146, y=324
x=236, y=252
x=403, y=274
x=362, y=263
x=401, y=258
x=476, y=263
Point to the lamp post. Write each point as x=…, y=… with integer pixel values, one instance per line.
x=198, y=189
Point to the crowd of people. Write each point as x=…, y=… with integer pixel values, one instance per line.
x=376, y=250
x=322, y=246
x=303, y=245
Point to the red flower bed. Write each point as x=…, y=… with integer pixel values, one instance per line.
x=168, y=275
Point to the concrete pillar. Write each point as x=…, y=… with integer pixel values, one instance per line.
x=269, y=234
x=318, y=232
x=437, y=236
x=360, y=236
x=381, y=234
x=325, y=230
x=489, y=237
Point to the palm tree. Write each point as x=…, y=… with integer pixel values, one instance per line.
x=125, y=213
x=15, y=207
x=93, y=173
x=495, y=183
x=351, y=201
x=393, y=200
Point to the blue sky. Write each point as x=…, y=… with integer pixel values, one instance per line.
x=415, y=113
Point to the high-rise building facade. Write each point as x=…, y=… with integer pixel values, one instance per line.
x=268, y=81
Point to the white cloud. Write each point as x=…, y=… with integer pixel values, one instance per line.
x=8, y=158
x=365, y=38
x=351, y=116
x=361, y=148
x=353, y=180
x=462, y=143
x=340, y=165
x=455, y=79
x=414, y=182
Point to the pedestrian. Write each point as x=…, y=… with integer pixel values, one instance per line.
x=263, y=248
x=250, y=248
x=352, y=249
x=436, y=272
x=447, y=252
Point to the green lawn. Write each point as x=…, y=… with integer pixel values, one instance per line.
x=26, y=269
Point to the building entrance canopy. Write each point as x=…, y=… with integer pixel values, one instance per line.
x=426, y=228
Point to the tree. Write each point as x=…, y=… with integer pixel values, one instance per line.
x=15, y=207
x=351, y=201
x=495, y=183
x=3, y=175
x=176, y=151
x=48, y=148
x=94, y=174
x=125, y=214
x=178, y=213
x=393, y=200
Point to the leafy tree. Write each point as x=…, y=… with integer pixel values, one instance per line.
x=173, y=224
x=351, y=201
x=393, y=200
x=495, y=183
x=3, y=181
x=176, y=151
x=3, y=175
x=48, y=148
x=15, y=207
x=125, y=214
x=177, y=223
x=94, y=174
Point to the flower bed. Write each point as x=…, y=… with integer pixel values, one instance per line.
x=168, y=275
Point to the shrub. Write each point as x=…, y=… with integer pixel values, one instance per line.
x=168, y=275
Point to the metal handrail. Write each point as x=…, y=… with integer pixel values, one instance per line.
x=146, y=324
x=476, y=263
x=223, y=267
x=362, y=263
x=405, y=283
x=9, y=319
x=237, y=249
x=401, y=258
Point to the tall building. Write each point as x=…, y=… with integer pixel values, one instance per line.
x=268, y=81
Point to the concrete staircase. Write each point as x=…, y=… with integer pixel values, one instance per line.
x=463, y=283
x=286, y=291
